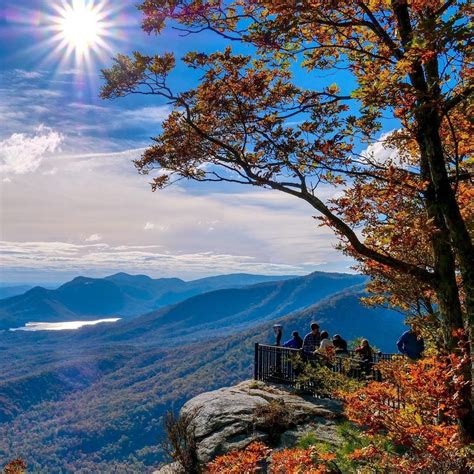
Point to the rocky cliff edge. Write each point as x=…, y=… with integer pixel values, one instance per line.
x=232, y=417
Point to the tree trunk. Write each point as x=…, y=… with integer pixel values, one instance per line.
x=444, y=250
x=453, y=239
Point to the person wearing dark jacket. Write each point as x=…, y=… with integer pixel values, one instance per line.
x=364, y=351
x=295, y=342
x=366, y=354
x=278, y=330
x=340, y=345
x=411, y=344
x=312, y=340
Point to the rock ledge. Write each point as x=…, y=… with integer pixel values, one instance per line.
x=232, y=417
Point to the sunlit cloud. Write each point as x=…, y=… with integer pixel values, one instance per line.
x=380, y=152
x=22, y=153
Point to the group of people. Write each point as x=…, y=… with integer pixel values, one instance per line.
x=410, y=344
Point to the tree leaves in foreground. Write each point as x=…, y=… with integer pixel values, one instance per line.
x=408, y=424
x=402, y=202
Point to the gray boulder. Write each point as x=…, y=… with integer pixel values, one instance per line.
x=232, y=417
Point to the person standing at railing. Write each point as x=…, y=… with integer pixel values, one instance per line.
x=366, y=354
x=295, y=342
x=411, y=344
x=340, y=345
x=312, y=340
x=278, y=330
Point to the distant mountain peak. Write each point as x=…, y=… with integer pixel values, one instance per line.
x=37, y=291
x=78, y=280
x=127, y=276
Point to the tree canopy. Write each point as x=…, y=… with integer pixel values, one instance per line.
x=252, y=120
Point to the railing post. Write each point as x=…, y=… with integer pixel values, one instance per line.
x=255, y=367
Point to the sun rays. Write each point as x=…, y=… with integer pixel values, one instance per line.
x=82, y=31
x=72, y=35
x=81, y=26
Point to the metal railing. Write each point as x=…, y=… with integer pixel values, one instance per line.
x=283, y=365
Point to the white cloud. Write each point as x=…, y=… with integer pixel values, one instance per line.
x=380, y=152
x=202, y=229
x=23, y=153
x=56, y=256
x=42, y=93
x=93, y=238
x=50, y=172
x=146, y=115
x=28, y=74
x=91, y=107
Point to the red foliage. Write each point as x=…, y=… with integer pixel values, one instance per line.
x=246, y=461
x=287, y=461
x=295, y=461
x=417, y=408
x=17, y=466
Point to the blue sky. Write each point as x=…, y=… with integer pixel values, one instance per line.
x=71, y=200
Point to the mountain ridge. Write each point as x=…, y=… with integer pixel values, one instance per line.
x=225, y=310
x=121, y=295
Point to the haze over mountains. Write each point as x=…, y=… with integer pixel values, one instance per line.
x=93, y=399
x=119, y=295
x=9, y=291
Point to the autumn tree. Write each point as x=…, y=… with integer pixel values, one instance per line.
x=415, y=408
x=252, y=119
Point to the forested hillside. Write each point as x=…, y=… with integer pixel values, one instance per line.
x=227, y=311
x=98, y=407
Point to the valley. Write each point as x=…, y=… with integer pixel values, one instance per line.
x=93, y=398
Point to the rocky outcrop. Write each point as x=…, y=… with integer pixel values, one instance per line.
x=232, y=417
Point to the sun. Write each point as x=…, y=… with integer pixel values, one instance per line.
x=81, y=26
x=82, y=30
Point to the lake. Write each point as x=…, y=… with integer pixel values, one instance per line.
x=66, y=325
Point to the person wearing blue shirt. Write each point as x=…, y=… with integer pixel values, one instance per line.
x=411, y=344
x=295, y=342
